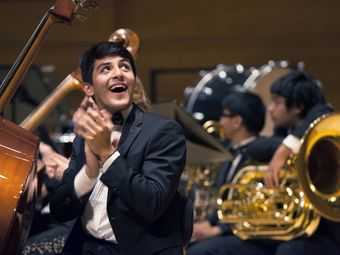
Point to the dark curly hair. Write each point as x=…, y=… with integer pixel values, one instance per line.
x=99, y=51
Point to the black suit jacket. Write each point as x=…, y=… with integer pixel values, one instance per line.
x=143, y=204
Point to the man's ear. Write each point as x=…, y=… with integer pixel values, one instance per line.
x=88, y=89
x=237, y=120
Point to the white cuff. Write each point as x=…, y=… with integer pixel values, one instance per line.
x=82, y=183
x=293, y=143
x=109, y=161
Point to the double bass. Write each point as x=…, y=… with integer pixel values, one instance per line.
x=18, y=147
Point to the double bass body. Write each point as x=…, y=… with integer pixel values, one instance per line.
x=18, y=147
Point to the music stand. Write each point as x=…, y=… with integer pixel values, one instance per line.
x=202, y=148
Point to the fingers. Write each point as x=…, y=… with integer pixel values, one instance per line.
x=83, y=126
x=276, y=178
x=61, y=161
x=78, y=114
x=60, y=157
x=268, y=180
x=50, y=170
x=40, y=165
x=59, y=172
x=107, y=117
x=86, y=124
x=96, y=116
x=94, y=125
x=271, y=177
x=89, y=119
x=283, y=182
x=92, y=104
x=86, y=103
x=56, y=166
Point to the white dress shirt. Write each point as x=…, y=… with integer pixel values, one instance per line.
x=293, y=143
x=236, y=161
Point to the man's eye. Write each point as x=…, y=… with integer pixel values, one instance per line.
x=126, y=66
x=105, y=69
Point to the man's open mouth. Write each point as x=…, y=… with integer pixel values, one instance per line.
x=118, y=88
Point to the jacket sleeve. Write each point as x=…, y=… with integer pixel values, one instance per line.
x=263, y=148
x=314, y=113
x=214, y=221
x=65, y=205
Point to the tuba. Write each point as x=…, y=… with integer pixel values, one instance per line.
x=311, y=190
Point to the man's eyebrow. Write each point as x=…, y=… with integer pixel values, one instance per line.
x=124, y=60
x=103, y=64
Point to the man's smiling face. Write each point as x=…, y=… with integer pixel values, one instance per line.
x=113, y=83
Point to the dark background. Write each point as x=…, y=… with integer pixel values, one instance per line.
x=179, y=38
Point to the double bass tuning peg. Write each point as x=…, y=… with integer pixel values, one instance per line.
x=87, y=4
x=80, y=17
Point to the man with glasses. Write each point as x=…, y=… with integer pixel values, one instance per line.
x=242, y=119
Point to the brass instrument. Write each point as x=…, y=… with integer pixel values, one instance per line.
x=200, y=184
x=311, y=189
x=214, y=128
x=201, y=178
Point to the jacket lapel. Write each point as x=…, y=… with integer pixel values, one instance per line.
x=130, y=130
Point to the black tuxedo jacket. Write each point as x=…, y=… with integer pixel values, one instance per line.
x=143, y=204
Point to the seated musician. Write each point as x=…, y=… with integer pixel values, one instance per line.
x=46, y=235
x=297, y=100
x=242, y=118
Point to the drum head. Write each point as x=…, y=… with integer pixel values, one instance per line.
x=204, y=102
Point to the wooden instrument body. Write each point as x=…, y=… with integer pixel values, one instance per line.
x=18, y=147
x=18, y=182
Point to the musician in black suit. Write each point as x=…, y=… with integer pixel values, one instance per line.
x=242, y=119
x=122, y=180
x=297, y=100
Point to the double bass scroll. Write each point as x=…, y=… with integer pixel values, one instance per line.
x=62, y=12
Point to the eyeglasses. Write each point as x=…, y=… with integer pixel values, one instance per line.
x=227, y=115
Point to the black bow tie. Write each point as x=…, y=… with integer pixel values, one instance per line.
x=117, y=118
x=235, y=151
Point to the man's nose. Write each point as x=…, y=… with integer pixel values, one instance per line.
x=117, y=72
x=270, y=108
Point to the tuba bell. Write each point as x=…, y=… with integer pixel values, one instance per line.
x=311, y=189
